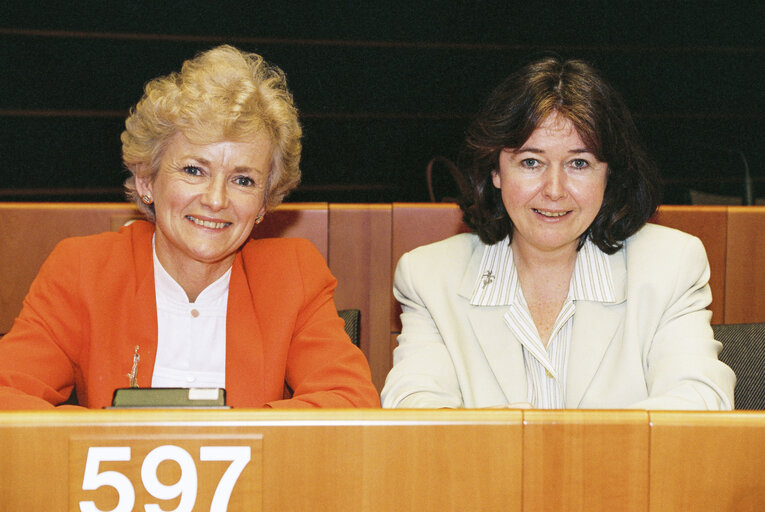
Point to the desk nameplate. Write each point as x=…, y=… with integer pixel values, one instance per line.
x=181, y=472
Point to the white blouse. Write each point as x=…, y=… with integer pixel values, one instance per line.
x=191, y=337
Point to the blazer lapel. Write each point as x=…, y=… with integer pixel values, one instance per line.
x=245, y=375
x=595, y=325
x=144, y=326
x=145, y=329
x=502, y=350
x=500, y=346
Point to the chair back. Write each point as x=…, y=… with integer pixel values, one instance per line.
x=744, y=351
x=352, y=319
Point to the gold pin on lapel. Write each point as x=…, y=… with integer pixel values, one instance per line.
x=133, y=375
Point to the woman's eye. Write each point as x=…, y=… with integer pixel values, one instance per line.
x=192, y=170
x=579, y=163
x=244, y=181
x=530, y=162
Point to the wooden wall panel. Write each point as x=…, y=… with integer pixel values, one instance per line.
x=29, y=231
x=304, y=220
x=359, y=257
x=585, y=460
x=710, y=224
x=707, y=461
x=745, y=267
x=416, y=224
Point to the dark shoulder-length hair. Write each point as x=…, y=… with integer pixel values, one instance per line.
x=575, y=90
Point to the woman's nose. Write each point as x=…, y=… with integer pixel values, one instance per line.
x=215, y=196
x=555, y=183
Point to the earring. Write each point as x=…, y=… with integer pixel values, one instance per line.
x=146, y=199
x=258, y=219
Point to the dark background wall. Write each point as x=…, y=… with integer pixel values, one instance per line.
x=382, y=86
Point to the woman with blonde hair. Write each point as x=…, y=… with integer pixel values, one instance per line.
x=186, y=298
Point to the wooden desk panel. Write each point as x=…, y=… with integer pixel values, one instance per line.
x=707, y=461
x=585, y=460
x=745, y=266
x=371, y=460
x=438, y=466
x=311, y=460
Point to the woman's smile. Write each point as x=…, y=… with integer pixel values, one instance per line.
x=551, y=214
x=208, y=223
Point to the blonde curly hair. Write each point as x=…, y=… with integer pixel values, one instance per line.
x=221, y=94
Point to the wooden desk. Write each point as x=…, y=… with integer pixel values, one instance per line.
x=378, y=460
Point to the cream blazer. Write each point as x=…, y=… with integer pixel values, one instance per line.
x=651, y=349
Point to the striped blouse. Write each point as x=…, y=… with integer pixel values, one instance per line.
x=498, y=285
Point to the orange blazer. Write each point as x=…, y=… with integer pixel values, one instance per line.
x=93, y=303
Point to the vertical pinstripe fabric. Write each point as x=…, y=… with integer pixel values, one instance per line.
x=498, y=285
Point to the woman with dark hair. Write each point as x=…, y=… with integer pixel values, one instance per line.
x=563, y=297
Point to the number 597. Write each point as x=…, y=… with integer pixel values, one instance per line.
x=185, y=487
